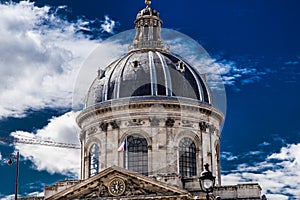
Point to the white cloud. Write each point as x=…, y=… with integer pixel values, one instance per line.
x=265, y=144
x=108, y=25
x=228, y=156
x=292, y=63
x=35, y=194
x=279, y=174
x=254, y=153
x=40, y=55
x=32, y=194
x=52, y=159
x=3, y=160
x=8, y=197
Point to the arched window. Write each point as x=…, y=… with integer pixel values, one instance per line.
x=94, y=160
x=187, y=158
x=136, y=158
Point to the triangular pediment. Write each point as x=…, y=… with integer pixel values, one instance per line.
x=118, y=183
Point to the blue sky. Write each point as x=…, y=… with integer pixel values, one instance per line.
x=255, y=44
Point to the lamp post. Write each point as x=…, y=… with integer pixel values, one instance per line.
x=207, y=181
x=10, y=162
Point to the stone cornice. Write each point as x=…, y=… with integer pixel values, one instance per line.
x=138, y=103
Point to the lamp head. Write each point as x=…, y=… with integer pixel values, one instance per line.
x=9, y=162
x=207, y=180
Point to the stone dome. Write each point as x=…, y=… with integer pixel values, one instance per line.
x=148, y=70
x=148, y=74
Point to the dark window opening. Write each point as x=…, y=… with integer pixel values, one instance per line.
x=144, y=90
x=187, y=158
x=137, y=154
x=94, y=160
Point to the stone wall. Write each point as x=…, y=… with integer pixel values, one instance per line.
x=59, y=186
x=163, y=124
x=240, y=191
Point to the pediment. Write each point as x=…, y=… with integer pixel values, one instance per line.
x=118, y=183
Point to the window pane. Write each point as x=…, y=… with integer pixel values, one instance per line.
x=187, y=158
x=94, y=160
x=137, y=155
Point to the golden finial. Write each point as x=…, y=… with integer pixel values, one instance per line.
x=148, y=2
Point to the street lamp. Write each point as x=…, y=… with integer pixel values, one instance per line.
x=10, y=162
x=207, y=181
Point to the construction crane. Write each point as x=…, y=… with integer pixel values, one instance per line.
x=36, y=141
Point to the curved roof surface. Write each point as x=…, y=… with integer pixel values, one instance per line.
x=148, y=73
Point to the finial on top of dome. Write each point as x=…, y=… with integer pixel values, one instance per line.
x=148, y=2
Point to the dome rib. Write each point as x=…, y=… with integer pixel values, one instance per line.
x=207, y=96
x=153, y=77
x=107, y=82
x=168, y=82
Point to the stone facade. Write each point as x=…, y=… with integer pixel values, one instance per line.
x=58, y=187
x=174, y=120
x=239, y=191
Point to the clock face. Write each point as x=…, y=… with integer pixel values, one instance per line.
x=116, y=187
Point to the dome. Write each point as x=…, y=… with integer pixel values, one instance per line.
x=148, y=70
x=148, y=74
